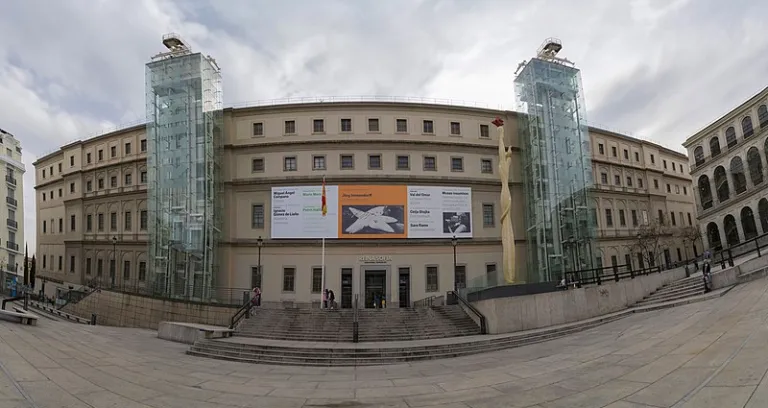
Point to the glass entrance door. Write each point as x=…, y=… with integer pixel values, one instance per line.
x=375, y=287
x=405, y=287
x=346, y=288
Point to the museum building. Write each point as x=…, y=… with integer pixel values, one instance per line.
x=203, y=202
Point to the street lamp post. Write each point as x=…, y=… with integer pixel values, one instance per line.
x=454, y=242
x=113, y=271
x=260, y=243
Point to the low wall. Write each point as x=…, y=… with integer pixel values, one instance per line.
x=746, y=271
x=126, y=310
x=511, y=314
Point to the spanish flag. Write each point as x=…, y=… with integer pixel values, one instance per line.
x=325, y=207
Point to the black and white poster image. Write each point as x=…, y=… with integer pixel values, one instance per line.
x=373, y=219
x=456, y=223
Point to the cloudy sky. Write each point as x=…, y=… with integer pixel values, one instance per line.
x=656, y=69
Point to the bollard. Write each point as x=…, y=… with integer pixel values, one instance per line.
x=93, y=319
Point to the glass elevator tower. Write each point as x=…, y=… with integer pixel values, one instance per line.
x=184, y=129
x=557, y=166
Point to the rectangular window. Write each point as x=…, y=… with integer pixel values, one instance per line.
x=72, y=222
x=143, y=176
x=113, y=221
x=656, y=184
x=401, y=126
x=685, y=190
x=428, y=127
x=71, y=161
x=430, y=163
x=127, y=220
x=143, y=220
x=257, y=165
x=629, y=181
x=289, y=277
x=318, y=126
x=88, y=266
x=484, y=131
x=614, y=151
x=289, y=164
x=290, y=127
x=318, y=163
x=44, y=261
x=72, y=188
x=374, y=161
x=257, y=216
x=113, y=181
x=661, y=217
x=127, y=148
x=460, y=276
x=637, y=156
x=373, y=125
x=677, y=189
x=653, y=159
x=457, y=164
x=608, y=217
x=60, y=193
x=669, y=188
x=347, y=161
x=99, y=267
x=88, y=223
x=604, y=178
x=634, y=218
x=258, y=129
x=61, y=262
x=255, y=277
x=640, y=182
x=601, y=148
x=88, y=158
x=71, y=264
x=128, y=179
x=622, y=220
x=432, y=279
x=113, y=151
x=690, y=220
x=486, y=166
x=455, y=128
x=317, y=279
x=126, y=270
x=672, y=218
x=142, y=271
x=490, y=273
x=488, y=216
x=346, y=125
x=617, y=179
x=673, y=167
x=664, y=163
x=403, y=162
x=9, y=154
x=626, y=154
x=143, y=145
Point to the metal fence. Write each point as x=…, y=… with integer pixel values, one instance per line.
x=757, y=246
x=223, y=296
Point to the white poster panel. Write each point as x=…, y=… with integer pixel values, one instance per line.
x=297, y=212
x=439, y=212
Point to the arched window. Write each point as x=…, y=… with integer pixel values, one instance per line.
x=748, y=223
x=739, y=178
x=721, y=184
x=762, y=213
x=731, y=232
x=714, y=146
x=762, y=116
x=746, y=127
x=705, y=192
x=698, y=155
x=755, y=165
x=713, y=236
x=730, y=136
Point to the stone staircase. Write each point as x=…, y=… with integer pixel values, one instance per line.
x=391, y=324
x=680, y=289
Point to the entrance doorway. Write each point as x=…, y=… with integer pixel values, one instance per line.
x=405, y=287
x=375, y=286
x=346, y=288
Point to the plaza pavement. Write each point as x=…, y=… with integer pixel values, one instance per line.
x=706, y=354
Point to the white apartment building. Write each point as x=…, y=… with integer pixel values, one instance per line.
x=12, y=230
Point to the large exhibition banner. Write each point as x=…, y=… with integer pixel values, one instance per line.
x=297, y=212
x=375, y=211
x=372, y=211
x=439, y=212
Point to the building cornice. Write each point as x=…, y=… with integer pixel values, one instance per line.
x=273, y=145
x=725, y=119
x=367, y=179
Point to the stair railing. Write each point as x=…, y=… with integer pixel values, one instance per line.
x=468, y=306
x=355, y=321
x=426, y=302
x=243, y=312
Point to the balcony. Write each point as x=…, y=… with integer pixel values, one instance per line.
x=12, y=245
x=13, y=224
x=10, y=180
x=11, y=201
x=12, y=268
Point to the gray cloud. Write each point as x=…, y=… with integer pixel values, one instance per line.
x=658, y=69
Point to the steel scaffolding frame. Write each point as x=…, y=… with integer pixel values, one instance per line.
x=184, y=127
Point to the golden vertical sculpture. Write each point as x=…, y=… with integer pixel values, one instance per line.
x=507, y=234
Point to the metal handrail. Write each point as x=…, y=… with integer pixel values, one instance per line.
x=242, y=312
x=465, y=302
x=355, y=321
x=426, y=302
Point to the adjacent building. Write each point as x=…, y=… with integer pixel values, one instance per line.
x=728, y=164
x=437, y=162
x=12, y=231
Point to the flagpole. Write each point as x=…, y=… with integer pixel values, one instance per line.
x=323, y=210
x=322, y=263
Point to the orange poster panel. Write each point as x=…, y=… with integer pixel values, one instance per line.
x=373, y=212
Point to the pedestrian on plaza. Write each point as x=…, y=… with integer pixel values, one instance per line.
x=331, y=299
x=255, y=297
x=325, y=298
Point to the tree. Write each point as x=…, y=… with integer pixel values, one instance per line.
x=690, y=234
x=32, y=272
x=650, y=241
x=26, y=266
